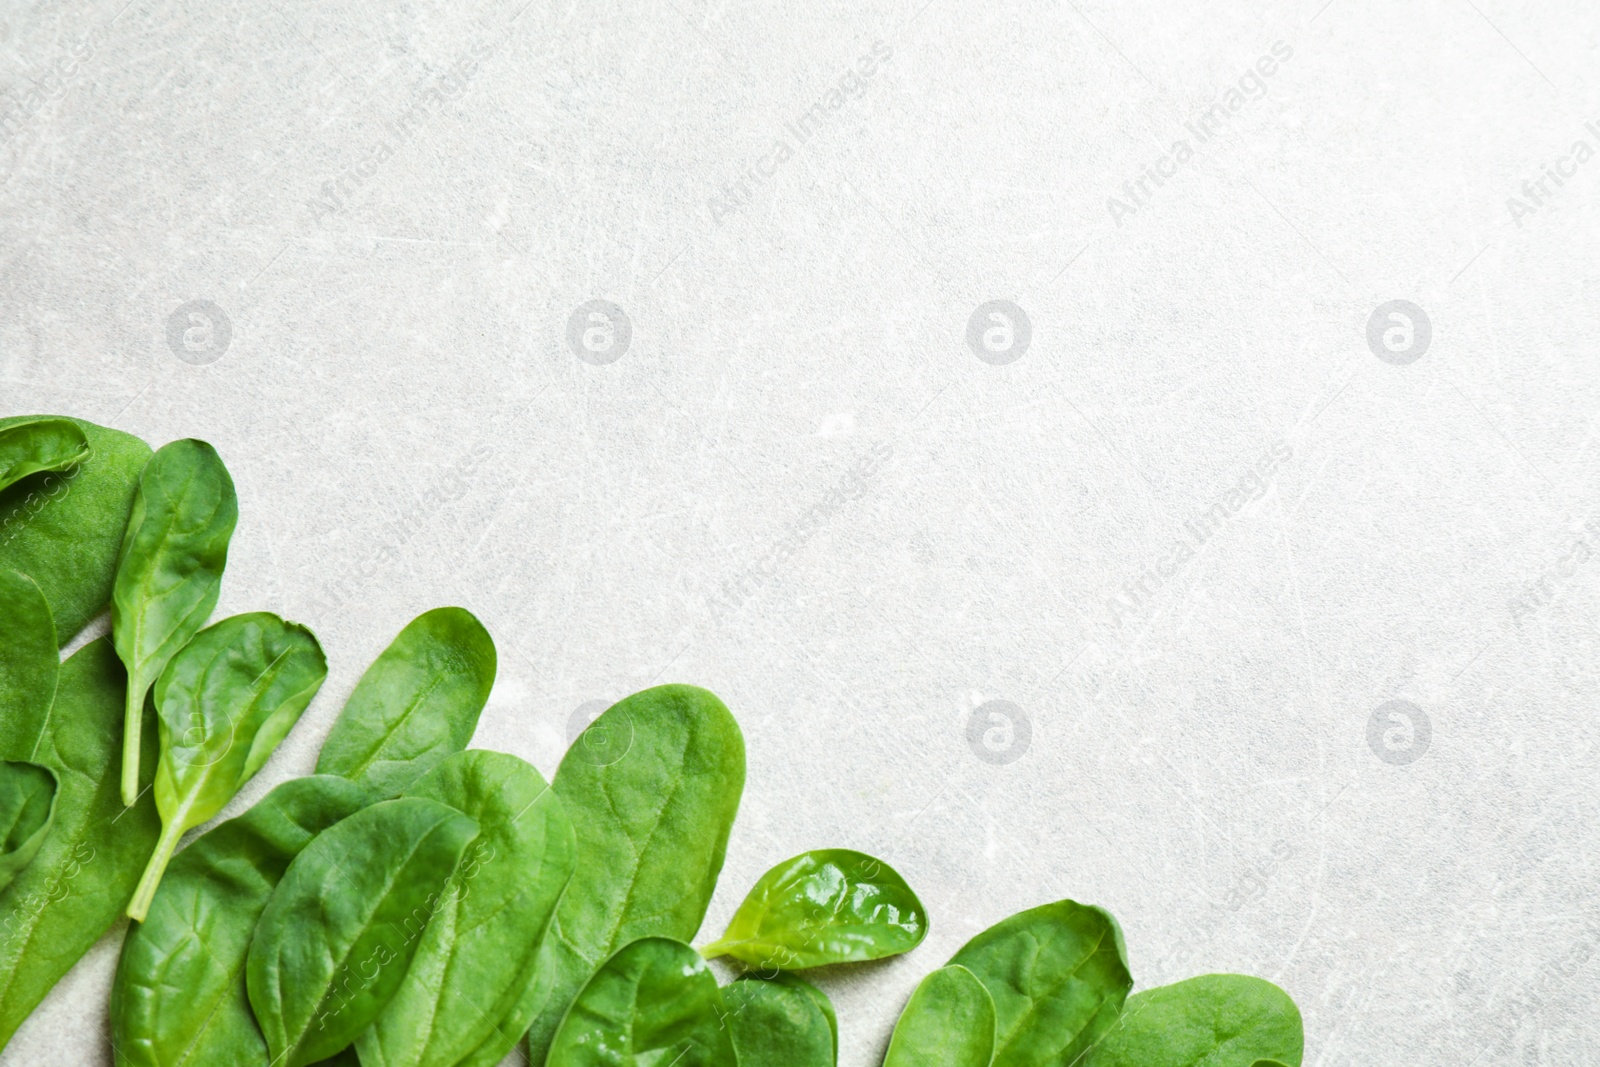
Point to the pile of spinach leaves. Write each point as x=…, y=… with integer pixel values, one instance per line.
x=419, y=903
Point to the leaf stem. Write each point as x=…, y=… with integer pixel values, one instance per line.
x=132, y=721
x=714, y=949
x=139, y=906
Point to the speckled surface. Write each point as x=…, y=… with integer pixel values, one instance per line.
x=1180, y=515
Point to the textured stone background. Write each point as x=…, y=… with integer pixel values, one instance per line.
x=792, y=479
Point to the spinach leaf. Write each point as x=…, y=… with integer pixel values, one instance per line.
x=828, y=906
x=651, y=787
x=418, y=703
x=779, y=1022
x=27, y=807
x=1216, y=1020
x=29, y=662
x=470, y=992
x=949, y=1022
x=1058, y=975
x=169, y=572
x=32, y=446
x=179, y=997
x=64, y=528
x=76, y=886
x=653, y=1003
x=224, y=703
x=334, y=941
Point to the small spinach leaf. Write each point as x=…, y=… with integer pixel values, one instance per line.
x=418, y=703
x=828, y=906
x=1058, y=975
x=33, y=446
x=651, y=787
x=779, y=1022
x=949, y=1022
x=1215, y=1020
x=334, y=941
x=169, y=572
x=27, y=807
x=76, y=886
x=64, y=528
x=224, y=703
x=179, y=997
x=655, y=1002
x=470, y=992
x=30, y=665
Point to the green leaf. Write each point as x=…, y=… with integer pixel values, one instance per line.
x=779, y=1022
x=828, y=906
x=334, y=941
x=651, y=1004
x=418, y=703
x=30, y=665
x=949, y=1022
x=1058, y=975
x=470, y=992
x=76, y=887
x=64, y=528
x=1216, y=1020
x=169, y=572
x=224, y=703
x=651, y=787
x=32, y=446
x=27, y=808
x=179, y=998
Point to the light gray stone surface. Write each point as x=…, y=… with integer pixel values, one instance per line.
x=800, y=487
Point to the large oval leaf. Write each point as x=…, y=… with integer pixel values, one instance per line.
x=1058, y=975
x=1215, y=1020
x=651, y=1004
x=779, y=1022
x=179, y=998
x=77, y=885
x=27, y=807
x=33, y=446
x=470, y=993
x=334, y=941
x=64, y=528
x=418, y=703
x=224, y=703
x=828, y=906
x=949, y=1022
x=651, y=787
x=169, y=572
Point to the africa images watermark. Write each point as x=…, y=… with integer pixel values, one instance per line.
x=852, y=85
x=1250, y=87
x=1137, y=592
x=17, y=113
x=426, y=105
x=1538, y=192
x=1540, y=593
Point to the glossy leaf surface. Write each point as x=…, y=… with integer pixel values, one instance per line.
x=27, y=807
x=1058, y=975
x=779, y=1022
x=1215, y=1020
x=30, y=664
x=33, y=446
x=651, y=787
x=179, y=998
x=77, y=885
x=169, y=572
x=470, y=992
x=223, y=704
x=949, y=1022
x=338, y=933
x=655, y=1002
x=828, y=906
x=418, y=703
x=64, y=528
